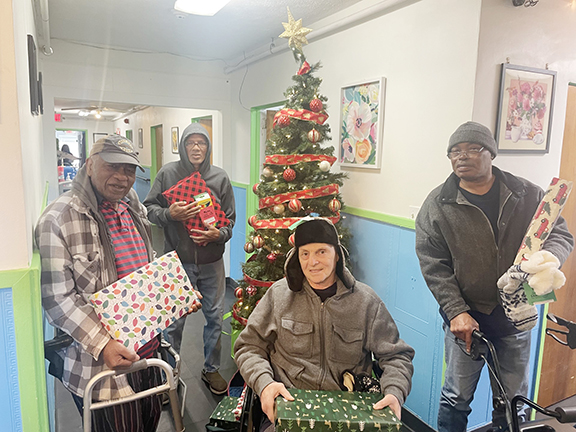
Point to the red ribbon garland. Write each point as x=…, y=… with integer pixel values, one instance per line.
x=303, y=114
x=270, y=201
x=243, y=321
x=285, y=223
x=304, y=69
x=294, y=159
x=258, y=283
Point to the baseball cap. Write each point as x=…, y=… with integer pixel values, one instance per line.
x=116, y=149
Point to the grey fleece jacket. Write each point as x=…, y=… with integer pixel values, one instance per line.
x=294, y=338
x=459, y=257
x=176, y=236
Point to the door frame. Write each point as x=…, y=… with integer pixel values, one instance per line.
x=153, y=155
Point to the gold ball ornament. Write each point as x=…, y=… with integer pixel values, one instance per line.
x=279, y=209
x=334, y=205
x=258, y=242
x=267, y=172
x=313, y=136
x=324, y=166
x=249, y=247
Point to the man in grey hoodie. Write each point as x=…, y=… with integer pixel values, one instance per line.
x=201, y=255
x=317, y=323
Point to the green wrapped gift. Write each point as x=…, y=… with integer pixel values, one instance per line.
x=223, y=415
x=333, y=411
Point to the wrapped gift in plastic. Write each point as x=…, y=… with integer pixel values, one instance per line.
x=186, y=190
x=324, y=411
x=137, y=307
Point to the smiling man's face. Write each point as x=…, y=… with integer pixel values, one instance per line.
x=318, y=262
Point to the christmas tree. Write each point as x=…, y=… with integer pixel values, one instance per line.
x=296, y=180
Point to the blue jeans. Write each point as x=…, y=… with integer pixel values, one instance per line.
x=210, y=280
x=463, y=373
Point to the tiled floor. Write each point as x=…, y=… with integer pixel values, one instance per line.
x=200, y=402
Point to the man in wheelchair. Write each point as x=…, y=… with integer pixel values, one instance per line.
x=318, y=323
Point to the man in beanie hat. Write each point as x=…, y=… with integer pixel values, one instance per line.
x=316, y=324
x=89, y=237
x=468, y=232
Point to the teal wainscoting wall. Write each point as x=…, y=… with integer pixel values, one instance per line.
x=23, y=402
x=383, y=256
x=237, y=254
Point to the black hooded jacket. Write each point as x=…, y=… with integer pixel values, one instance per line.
x=176, y=236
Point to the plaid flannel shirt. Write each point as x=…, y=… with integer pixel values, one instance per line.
x=78, y=260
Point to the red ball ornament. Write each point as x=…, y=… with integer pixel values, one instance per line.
x=295, y=205
x=238, y=292
x=283, y=121
x=334, y=205
x=249, y=247
x=251, y=290
x=271, y=257
x=291, y=240
x=255, y=188
x=252, y=220
x=313, y=136
x=289, y=174
x=316, y=105
x=258, y=242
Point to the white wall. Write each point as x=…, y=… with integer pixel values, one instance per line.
x=427, y=51
x=169, y=117
x=534, y=37
x=22, y=185
x=80, y=72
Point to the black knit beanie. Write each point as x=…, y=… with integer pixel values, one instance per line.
x=315, y=231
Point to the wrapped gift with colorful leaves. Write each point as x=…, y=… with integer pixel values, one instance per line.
x=137, y=307
x=333, y=411
x=186, y=190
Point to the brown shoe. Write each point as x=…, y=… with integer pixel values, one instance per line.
x=215, y=382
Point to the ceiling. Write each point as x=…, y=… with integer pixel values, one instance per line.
x=109, y=111
x=154, y=26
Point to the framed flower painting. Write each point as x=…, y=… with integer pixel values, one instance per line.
x=525, y=109
x=361, y=120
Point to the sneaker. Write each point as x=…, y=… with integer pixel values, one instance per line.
x=215, y=382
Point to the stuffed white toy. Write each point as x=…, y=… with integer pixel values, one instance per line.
x=540, y=271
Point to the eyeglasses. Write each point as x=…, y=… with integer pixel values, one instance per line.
x=472, y=153
x=196, y=143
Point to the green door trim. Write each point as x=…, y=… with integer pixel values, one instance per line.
x=153, y=156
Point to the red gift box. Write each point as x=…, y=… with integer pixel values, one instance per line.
x=185, y=190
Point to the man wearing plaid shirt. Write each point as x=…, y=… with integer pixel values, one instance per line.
x=201, y=255
x=88, y=238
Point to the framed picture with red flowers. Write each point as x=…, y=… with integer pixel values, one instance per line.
x=525, y=109
x=361, y=124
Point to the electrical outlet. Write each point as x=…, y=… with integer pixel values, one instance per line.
x=413, y=211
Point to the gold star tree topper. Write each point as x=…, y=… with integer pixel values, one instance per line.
x=295, y=33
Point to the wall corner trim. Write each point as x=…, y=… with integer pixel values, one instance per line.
x=381, y=217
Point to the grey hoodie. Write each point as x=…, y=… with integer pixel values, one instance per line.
x=176, y=236
x=294, y=338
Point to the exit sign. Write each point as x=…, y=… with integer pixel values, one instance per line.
x=57, y=117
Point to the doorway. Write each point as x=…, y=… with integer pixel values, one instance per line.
x=206, y=121
x=558, y=371
x=71, y=153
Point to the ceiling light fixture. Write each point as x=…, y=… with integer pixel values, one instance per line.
x=83, y=113
x=200, y=7
x=98, y=115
